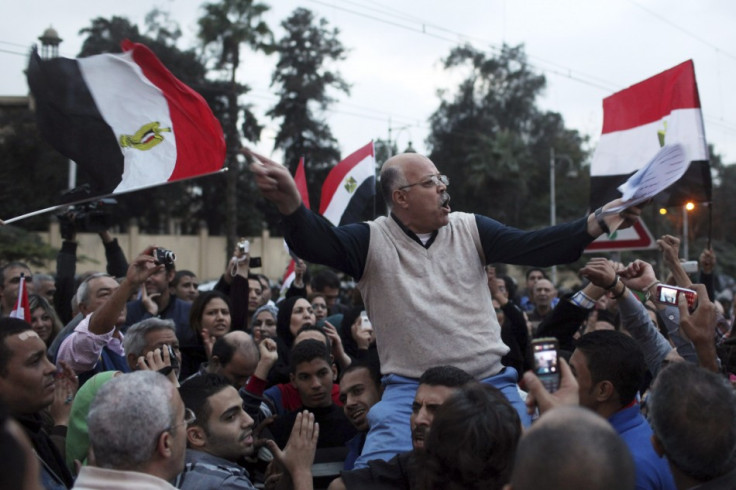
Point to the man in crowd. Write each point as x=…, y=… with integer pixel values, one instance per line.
x=571, y=447
x=234, y=356
x=610, y=368
x=417, y=268
x=43, y=285
x=360, y=389
x=137, y=434
x=184, y=285
x=545, y=296
x=9, y=284
x=98, y=335
x=27, y=386
x=526, y=297
x=313, y=374
x=436, y=385
x=699, y=443
x=158, y=301
x=223, y=434
x=145, y=337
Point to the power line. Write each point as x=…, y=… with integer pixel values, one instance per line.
x=683, y=30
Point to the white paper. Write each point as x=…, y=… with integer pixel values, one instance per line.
x=663, y=170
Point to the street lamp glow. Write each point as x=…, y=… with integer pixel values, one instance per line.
x=690, y=206
x=662, y=211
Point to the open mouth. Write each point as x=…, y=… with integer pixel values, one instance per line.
x=357, y=414
x=445, y=201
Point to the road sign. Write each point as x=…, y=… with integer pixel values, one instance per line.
x=637, y=237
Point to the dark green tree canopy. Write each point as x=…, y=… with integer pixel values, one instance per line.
x=304, y=77
x=494, y=143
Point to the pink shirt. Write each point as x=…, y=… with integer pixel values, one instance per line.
x=81, y=350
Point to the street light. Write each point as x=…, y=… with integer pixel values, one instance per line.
x=689, y=206
x=398, y=130
x=552, y=194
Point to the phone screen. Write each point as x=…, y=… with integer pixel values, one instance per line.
x=670, y=294
x=546, y=362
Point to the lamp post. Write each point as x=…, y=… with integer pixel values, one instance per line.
x=689, y=206
x=553, y=196
x=398, y=130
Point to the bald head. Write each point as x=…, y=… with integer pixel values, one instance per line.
x=566, y=439
x=235, y=355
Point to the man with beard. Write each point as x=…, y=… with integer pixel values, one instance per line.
x=436, y=385
x=419, y=267
x=222, y=434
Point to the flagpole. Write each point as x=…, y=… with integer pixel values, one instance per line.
x=94, y=198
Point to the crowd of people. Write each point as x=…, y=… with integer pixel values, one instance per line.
x=421, y=377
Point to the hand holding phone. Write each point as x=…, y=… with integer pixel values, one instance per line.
x=546, y=362
x=670, y=295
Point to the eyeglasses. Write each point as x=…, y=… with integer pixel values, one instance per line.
x=432, y=181
x=189, y=418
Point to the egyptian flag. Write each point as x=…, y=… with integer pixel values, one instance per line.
x=350, y=188
x=22, y=310
x=637, y=122
x=125, y=119
x=300, y=179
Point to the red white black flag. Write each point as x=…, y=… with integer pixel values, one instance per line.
x=125, y=119
x=350, y=188
x=638, y=121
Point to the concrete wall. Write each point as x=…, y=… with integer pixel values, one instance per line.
x=203, y=254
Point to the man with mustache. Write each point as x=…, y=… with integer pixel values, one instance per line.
x=420, y=273
x=436, y=385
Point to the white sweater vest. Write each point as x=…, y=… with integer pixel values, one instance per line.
x=431, y=307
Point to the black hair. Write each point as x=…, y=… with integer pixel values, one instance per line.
x=315, y=328
x=534, y=269
x=615, y=357
x=200, y=303
x=308, y=351
x=8, y=328
x=374, y=374
x=196, y=391
x=449, y=376
x=472, y=441
x=225, y=348
x=325, y=278
x=179, y=275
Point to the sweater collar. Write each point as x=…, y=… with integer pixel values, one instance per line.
x=413, y=235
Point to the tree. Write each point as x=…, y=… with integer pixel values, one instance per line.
x=304, y=76
x=226, y=26
x=494, y=143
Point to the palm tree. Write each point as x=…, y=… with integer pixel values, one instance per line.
x=226, y=26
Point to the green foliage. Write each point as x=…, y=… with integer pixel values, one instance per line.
x=33, y=173
x=304, y=77
x=17, y=244
x=224, y=28
x=494, y=143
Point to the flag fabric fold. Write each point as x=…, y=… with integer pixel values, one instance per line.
x=125, y=119
x=350, y=188
x=22, y=311
x=638, y=121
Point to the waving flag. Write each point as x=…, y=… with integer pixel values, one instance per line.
x=125, y=119
x=22, y=311
x=350, y=188
x=638, y=121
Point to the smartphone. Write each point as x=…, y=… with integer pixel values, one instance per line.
x=546, y=362
x=172, y=356
x=670, y=295
x=365, y=323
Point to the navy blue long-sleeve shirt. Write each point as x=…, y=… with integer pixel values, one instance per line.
x=345, y=248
